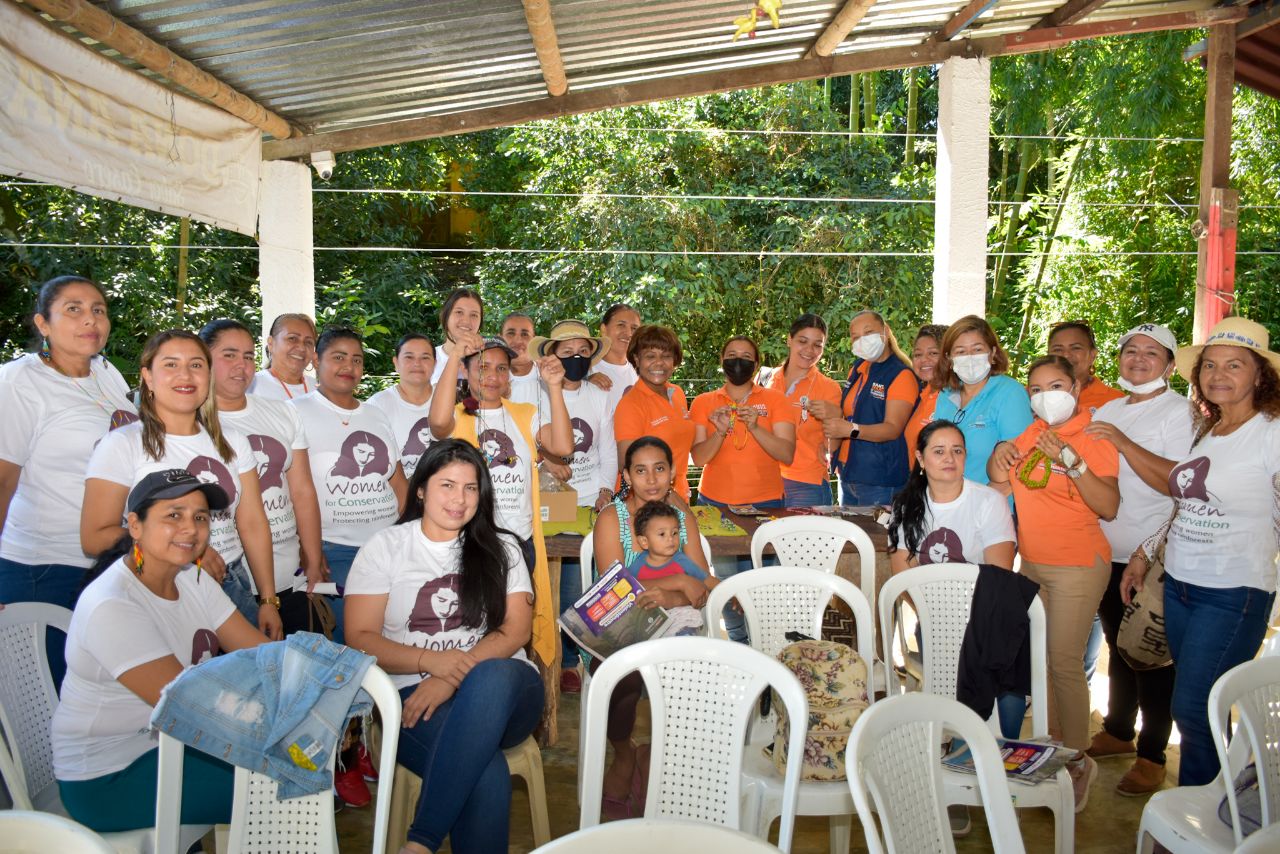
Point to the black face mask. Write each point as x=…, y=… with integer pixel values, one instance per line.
x=576, y=368
x=738, y=371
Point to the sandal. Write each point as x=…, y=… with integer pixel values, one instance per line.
x=616, y=809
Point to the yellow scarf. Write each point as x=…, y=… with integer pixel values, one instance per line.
x=544, y=618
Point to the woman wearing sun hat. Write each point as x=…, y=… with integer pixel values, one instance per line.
x=1220, y=556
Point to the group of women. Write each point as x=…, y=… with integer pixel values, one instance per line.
x=422, y=508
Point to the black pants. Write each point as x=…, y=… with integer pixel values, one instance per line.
x=1131, y=690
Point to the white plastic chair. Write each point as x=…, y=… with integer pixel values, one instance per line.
x=776, y=600
x=894, y=750
x=702, y=693
x=260, y=821
x=647, y=835
x=1265, y=840
x=27, y=832
x=27, y=703
x=942, y=594
x=1185, y=819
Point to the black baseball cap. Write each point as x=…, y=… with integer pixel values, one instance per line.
x=173, y=483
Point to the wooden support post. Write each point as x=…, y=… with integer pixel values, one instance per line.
x=537, y=13
x=841, y=25
x=1215, y=228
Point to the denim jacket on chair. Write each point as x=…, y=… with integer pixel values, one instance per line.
x=279, y=709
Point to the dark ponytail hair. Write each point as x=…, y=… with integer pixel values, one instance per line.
x=911, y=504
x=482, y=582
x=116, y=550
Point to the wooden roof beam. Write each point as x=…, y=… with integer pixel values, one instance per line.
x=1069, y=13
x=725, y=80
x=545, y=43
x=1262, y=16
x=971, y=11
x=849, y=16
x=111, y=31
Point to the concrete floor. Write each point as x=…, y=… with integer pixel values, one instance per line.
x=1108, y=824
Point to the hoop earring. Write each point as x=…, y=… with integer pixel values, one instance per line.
x=137, y=559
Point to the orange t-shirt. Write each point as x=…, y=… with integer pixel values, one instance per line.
x=904, y=387
x=919, y=420
x=641, y=412
x=1055, y=526
x=1097, y=393
x=810, y=463
x=741, y=475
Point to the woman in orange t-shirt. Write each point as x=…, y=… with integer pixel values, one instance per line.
x=925, y=353
x=1062, y=480
x=653, y=406
x=805, y=482
x=743, y=433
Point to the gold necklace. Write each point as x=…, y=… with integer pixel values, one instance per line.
x=733, y=421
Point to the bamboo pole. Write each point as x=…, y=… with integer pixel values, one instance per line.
x=113, y=32
x=841, y=25
x=913, y=112
x=184, y=243
x=537, y=13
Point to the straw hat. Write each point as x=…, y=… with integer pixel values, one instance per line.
x=567, y=330
x=1234, y=332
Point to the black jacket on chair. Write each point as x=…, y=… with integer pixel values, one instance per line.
x=995, y=657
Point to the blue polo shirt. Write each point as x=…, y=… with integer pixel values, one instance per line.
x=999, y=413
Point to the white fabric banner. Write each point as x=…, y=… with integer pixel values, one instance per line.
x=74, y=118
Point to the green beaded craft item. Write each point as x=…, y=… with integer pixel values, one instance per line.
x=1027, y=471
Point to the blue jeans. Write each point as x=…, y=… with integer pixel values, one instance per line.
x=339, y=558
x=239, y=589
x=797, y=493
x=126, y=800
x=570, y=592
x=734, y=624
x=1010, y=708
x=1210, y=631
x=865, y=495
x=466, y=785
x=54, y=583
x=1092, y=648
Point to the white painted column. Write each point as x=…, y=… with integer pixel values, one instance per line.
x=960, y=209
x=286, y=268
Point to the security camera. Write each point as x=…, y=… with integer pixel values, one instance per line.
x=323, y=163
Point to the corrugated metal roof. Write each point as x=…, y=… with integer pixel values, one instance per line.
x=339, y=64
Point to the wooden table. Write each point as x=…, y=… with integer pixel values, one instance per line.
x=563, y=546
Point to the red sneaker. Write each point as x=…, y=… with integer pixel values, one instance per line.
x=570, y=681
x=364, y=764
x=351, y=787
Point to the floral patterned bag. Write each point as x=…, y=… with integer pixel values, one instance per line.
x=835, y=683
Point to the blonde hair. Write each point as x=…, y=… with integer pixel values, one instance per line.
x=153, y=429
x=890, y=339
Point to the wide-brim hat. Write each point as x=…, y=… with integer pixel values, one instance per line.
x=1231, y=332
x=174, y=483
x=567, y=330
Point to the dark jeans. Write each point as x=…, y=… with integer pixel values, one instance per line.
x=734, y=624
x=54, y=583
x=866, y=495
x=1210, y=631
x=797, y=493
x=1131, y=690
x=339, y=557
x=466, y=785
x=570, y=592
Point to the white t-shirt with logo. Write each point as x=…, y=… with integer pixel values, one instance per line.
x=1228, y=523
x=961, y=531
x=624, y=377
x=273, y=432
x=595, y=453
x=1163, y=426
x=353, y=456
x=510, y=467
x=408, y=424
x=100, y=726
x=50, y=426
x=421, y=579
x=529, y=389
x=268, y=385
x=120, y=459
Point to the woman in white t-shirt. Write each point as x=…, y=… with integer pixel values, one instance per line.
x=1220, y=555
x=444, y=601
x=461, y=314
x=148, y=614
x=57, y=404
x=614, y=373
x=359, y=483
x=279, y=447
x=179, y=428
x=291, y=347
x=407, y=404
x=1149, y=427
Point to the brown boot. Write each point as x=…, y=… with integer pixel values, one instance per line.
x=1106, y=744
x=1142, y=779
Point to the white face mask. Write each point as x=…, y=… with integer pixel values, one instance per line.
x=869, y=346
x=972, y=369
x=1145, y=388
x=1053, y=407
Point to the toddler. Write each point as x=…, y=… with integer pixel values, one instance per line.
x=663, y=565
